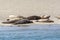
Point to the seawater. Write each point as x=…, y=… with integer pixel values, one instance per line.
x=30, y=32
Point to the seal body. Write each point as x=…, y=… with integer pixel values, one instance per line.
x=24, y=21
x=34, y=17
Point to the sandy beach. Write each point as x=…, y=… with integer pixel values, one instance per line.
x=29, y=7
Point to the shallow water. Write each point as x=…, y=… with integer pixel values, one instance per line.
x=30, y=32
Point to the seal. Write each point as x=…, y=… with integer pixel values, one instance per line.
x=34, y=17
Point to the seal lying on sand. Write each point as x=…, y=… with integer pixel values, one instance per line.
x=34, y=17
x=45, y=20
x=9, y=22
x=45, y=17
x=23, y=21
x=14, y=17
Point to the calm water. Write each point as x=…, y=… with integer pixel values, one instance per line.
x=30, y=32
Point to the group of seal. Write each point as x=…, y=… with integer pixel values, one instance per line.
x=17, y=20
x=24, y=20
